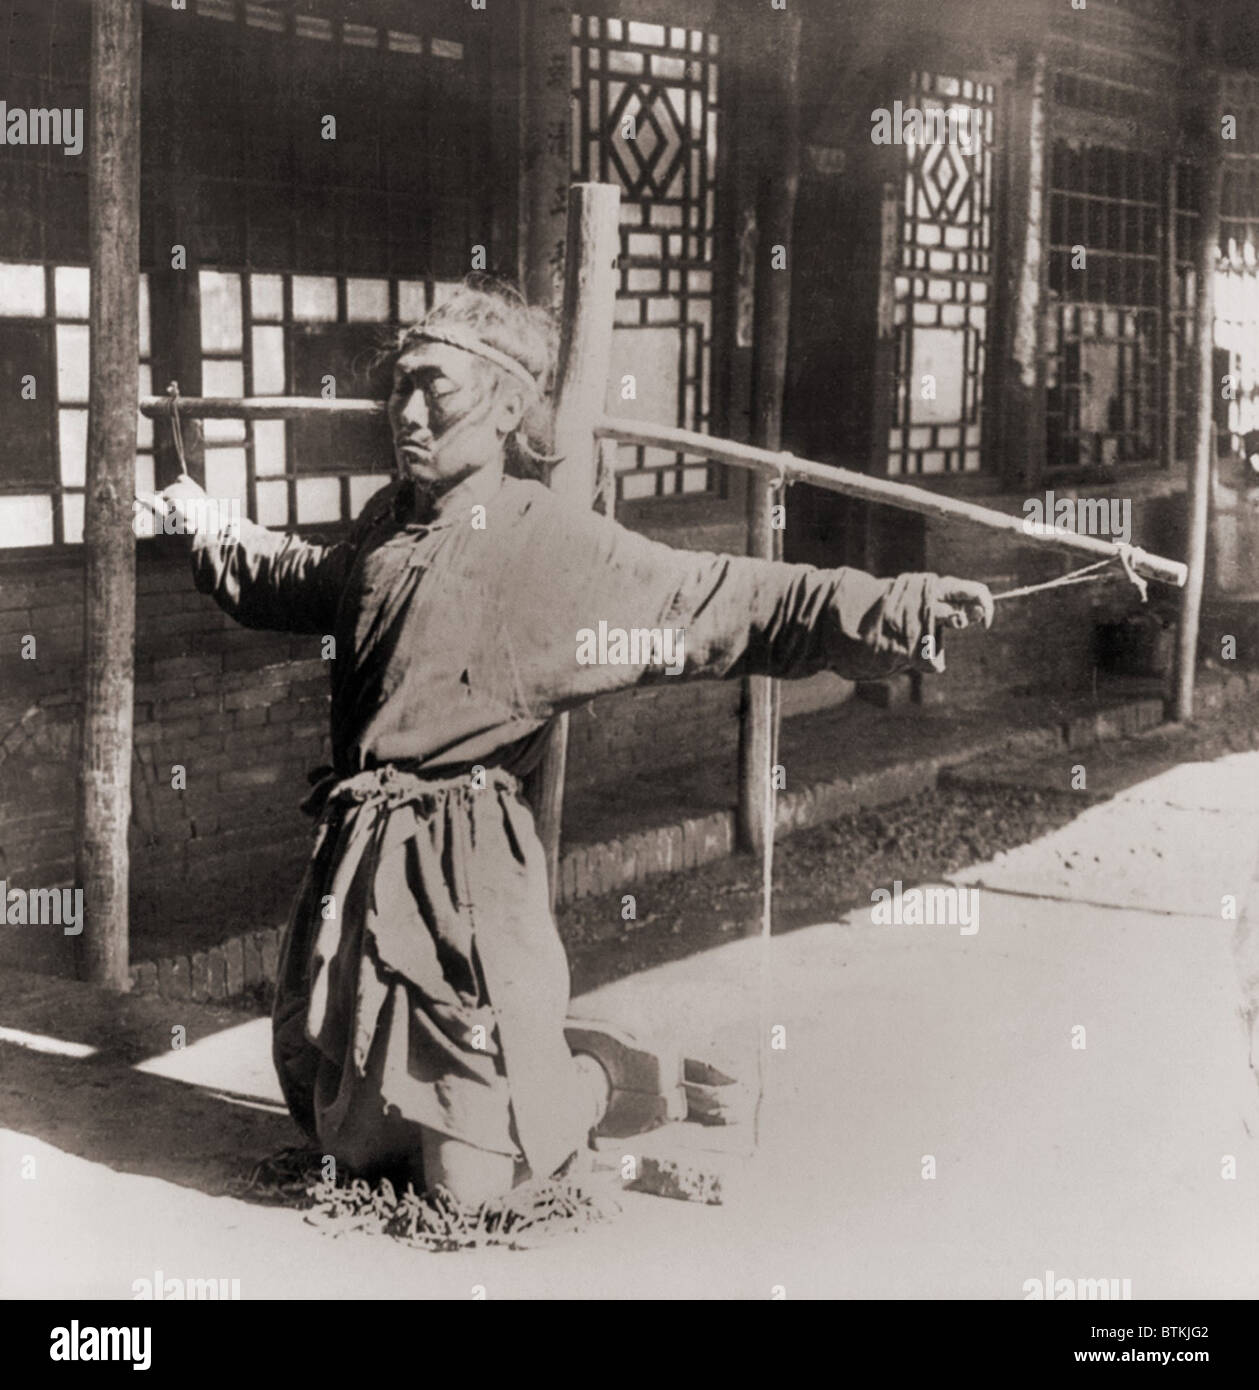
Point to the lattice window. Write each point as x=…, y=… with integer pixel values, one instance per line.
x=399, y=198
x=266, y=334
x=45, y=56
x=44, y=344
x=1237, y=278
x=1103, y=321
x=943, y=288
x=404, y=188
x=314, y=249
x=645, y=116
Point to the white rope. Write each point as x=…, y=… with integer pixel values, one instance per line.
x=177, y=434
x=1085, y=576
x=769, y=812
x=769, y=815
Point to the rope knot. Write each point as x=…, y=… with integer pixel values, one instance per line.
x=1128, y=555
x=780, y=480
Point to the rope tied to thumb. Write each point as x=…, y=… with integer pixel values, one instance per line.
x=1125, y=555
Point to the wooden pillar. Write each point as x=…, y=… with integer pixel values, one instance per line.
x=590, y=280
x=109, y=542
x=1198, y=492
x=174, y=295
x=545, y=161
x=507, y=147
x=1170, y=306
x=779, y=165
x=1020, y=416
x=545, y=148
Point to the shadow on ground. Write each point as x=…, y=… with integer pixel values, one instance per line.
x=106, y=1109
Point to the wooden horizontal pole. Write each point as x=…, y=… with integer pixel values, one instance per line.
x=257, y=407
x=706, y=446
x=872, y=489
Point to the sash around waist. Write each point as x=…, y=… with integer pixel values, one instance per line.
x=395, y=784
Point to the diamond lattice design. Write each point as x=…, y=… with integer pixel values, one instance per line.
x=658, y=143
x=945, y=180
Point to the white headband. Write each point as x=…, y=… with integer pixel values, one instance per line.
x=469, y=342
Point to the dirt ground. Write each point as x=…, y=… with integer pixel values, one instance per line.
x=917, y=840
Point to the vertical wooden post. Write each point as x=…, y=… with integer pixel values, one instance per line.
x=1020, y=418
x=590, y=278
x=1198, y=491
x=779, y=180
x=174, y=295
x=109, y=542
x=507, y=147
x=1170, y=305
x=545, y=152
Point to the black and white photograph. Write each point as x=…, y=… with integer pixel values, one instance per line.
x=629, y=665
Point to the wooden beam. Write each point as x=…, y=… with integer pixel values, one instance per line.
x=767, y=463
x=590, y=279
x=880, y=490
x=779, y=164
x=505, y=60
x=1019, y=414
x=109, y=542
x=1198, y=491
x=260, y=407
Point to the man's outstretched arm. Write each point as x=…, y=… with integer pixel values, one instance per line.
x=760, y=617
x=262, y=578
x=580, y=582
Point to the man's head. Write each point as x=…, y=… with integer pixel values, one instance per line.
x=464, y=381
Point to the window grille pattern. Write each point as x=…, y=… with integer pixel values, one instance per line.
x=1117, y=59
x=287, y=334
x=645, y=116
x=1237, y=277
x=398, y=200
x=943, y=286
x=1104, y=316
x=44, y=345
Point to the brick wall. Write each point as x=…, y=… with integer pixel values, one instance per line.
x=243, y=713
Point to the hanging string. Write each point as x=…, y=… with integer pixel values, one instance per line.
x=177, y=433
x=769, y=815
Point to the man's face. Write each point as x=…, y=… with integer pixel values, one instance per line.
x=447, y=417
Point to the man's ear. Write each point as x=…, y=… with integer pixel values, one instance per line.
x=509, y=410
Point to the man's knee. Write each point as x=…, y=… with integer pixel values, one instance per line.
x=469, y=1174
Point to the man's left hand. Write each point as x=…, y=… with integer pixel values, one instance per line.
x=961, y=602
